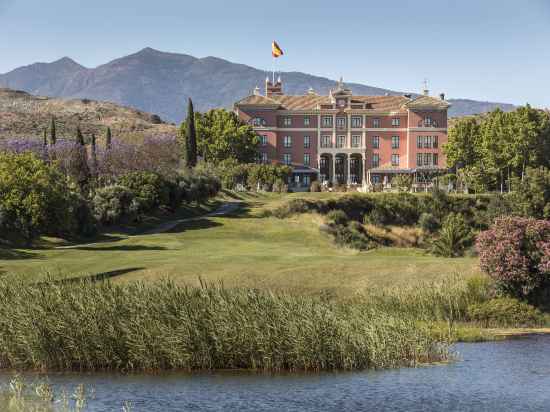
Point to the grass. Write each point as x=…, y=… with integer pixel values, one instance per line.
x=246, y=250
x=156, y=326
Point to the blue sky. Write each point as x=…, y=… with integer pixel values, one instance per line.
x=480, y=49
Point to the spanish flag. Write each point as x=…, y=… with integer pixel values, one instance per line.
x=276, y=51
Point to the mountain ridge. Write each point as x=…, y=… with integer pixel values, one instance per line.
x=160, y=82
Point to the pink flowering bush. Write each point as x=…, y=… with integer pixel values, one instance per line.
x=515, y=252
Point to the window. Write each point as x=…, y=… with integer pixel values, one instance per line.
x=375, y=122
x=307, y=142
x=426, y=159
x=340, y=141
x=375, y=160
x=258, y=121
x=263, y=158
x=287, y=141
x=306, y=159
x=287, y=158
x=263, y=140
x=375, y=142
x=395, y=142
x=356, y=121
x=307, y=180
x=426, y=142
x=395, y=121
x=395, y=159
x=356, y=141
x=306, y=121
x=341, y=102
x=287, y=121
x=326, y=141
x=340, y=122
x=327, y=121
x=427, y=121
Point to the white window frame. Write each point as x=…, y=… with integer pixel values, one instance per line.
x=263, y=140
x=341, y=141
x=308, y=157
x=287, y=158
x=376, y=142
x=287, y=142
x=376, y=123
x=395, y=142
x=263, y=157
x=306, y=121
x=341, y=122
x=356, y=121
x=327, y=121
x=376, y=163
x=356, y=140
x=287, y=121
x=395, y=156
x=396, y=121
x=307, y=142
x=326, y=141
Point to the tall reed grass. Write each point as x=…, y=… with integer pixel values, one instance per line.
x=142, y=327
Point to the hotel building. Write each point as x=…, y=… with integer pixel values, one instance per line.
x=346, y=139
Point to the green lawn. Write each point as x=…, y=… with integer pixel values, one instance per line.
x=241, y=250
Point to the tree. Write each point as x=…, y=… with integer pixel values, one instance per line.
x=53, y=132
x=79, y=136
x=223, y=135
x=108, y=139
x=34, y=196
x=94, y=157
x=464, y=145
x=190, y=146
x=45, y=138
x=531, y=197
x=453, y=238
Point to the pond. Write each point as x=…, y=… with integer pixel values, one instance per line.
x=509, y=375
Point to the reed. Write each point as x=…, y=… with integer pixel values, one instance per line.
x=144, y=327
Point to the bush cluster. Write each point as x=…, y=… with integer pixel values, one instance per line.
x=515, y=252
x=505, y=312
x=251, y=176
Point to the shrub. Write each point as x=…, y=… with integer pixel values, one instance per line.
x=338, y=217
x=112, y=204
x=454, y=237
x=280, y=186
x=515, y=252
x=402, y=182
x=428, y=223
x=505, y=312
x=149, y=189
x=352, y=235
x=34, y=196
x=315, y=186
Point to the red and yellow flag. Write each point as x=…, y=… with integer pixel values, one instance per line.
x=276, y=51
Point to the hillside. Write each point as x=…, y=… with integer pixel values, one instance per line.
x=160, y=82
x=22, y=114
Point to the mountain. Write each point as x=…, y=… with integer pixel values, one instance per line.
x=160, y=82
x=24, y=115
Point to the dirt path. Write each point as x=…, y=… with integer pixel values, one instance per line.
x=226, y=208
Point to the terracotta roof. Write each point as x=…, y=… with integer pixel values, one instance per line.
x=427, y=102
x=311, y=101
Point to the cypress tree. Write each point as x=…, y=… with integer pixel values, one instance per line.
x=190, y=138
x=79, y=136
x=53, y=132
x=94, y=157
x=45, y=137
x=108, y=138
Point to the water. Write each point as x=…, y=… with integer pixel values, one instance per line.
x=512, y=375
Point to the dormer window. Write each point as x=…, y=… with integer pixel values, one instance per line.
x=287, y=121
x=341, y=102
x=375, y=122
x=427, y=121
x=395, y=121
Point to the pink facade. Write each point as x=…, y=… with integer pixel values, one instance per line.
x=346, y=139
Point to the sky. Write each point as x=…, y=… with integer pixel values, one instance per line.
x=494, y=50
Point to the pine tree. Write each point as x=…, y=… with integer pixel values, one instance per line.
x=108, y=138
x=190, y=138
x=53, y=132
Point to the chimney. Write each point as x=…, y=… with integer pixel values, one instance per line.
x=442, y=96
x=273, y=89
x=256, y=91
